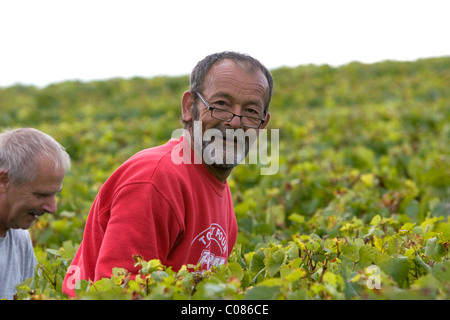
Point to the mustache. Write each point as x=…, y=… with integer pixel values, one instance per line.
x=37, y=212
x=238, y=135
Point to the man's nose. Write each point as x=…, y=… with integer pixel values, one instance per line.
x=235, y=122
x=50, y=205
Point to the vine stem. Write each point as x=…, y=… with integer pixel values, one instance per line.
x=325, y=267
x=254, y=279
x=47, y=276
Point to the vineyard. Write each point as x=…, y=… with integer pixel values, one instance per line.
x=359, y=208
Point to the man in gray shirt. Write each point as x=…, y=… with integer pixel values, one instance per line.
x=17, y=261
x=32, y=168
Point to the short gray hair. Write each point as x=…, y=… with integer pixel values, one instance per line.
x=22, y=149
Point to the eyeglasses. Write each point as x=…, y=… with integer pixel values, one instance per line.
x=249, y=121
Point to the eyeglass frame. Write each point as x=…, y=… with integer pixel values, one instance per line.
x=211, y=108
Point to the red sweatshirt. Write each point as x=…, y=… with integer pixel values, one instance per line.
x=178, y=213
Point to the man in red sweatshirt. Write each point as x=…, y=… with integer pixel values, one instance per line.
x=180, y=212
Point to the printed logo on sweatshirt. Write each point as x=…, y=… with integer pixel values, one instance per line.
x=213, y=245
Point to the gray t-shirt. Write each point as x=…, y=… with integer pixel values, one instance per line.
x=17, y=261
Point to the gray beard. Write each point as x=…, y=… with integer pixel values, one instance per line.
x=222, y=155
x=228, y=161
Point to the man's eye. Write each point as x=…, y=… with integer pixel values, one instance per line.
x=221, y=103
x=252, y=112
x=42, y=195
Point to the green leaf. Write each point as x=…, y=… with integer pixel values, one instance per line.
x=434, y=249
x=375, y=220
x=82, y=286
x=257, y=262
x=398, y=268
x=367, y=255
x=394, y=244
x=274, y=262
x=441, y=271
x=263, y=293
x=104, y=284
x=297, y=218
x=235, y=269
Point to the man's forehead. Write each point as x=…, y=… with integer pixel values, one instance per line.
x=233, y=65
x=228, y=70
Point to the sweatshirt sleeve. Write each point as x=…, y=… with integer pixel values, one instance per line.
x=141, y=222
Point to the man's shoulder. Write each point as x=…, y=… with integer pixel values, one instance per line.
x=145, y=161
x=154, y=153
x=18, y=238
x=144, y=166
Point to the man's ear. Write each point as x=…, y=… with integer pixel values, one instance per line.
x=4, y=180
x=187, y=104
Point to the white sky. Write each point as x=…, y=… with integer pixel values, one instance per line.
x=48, y=41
